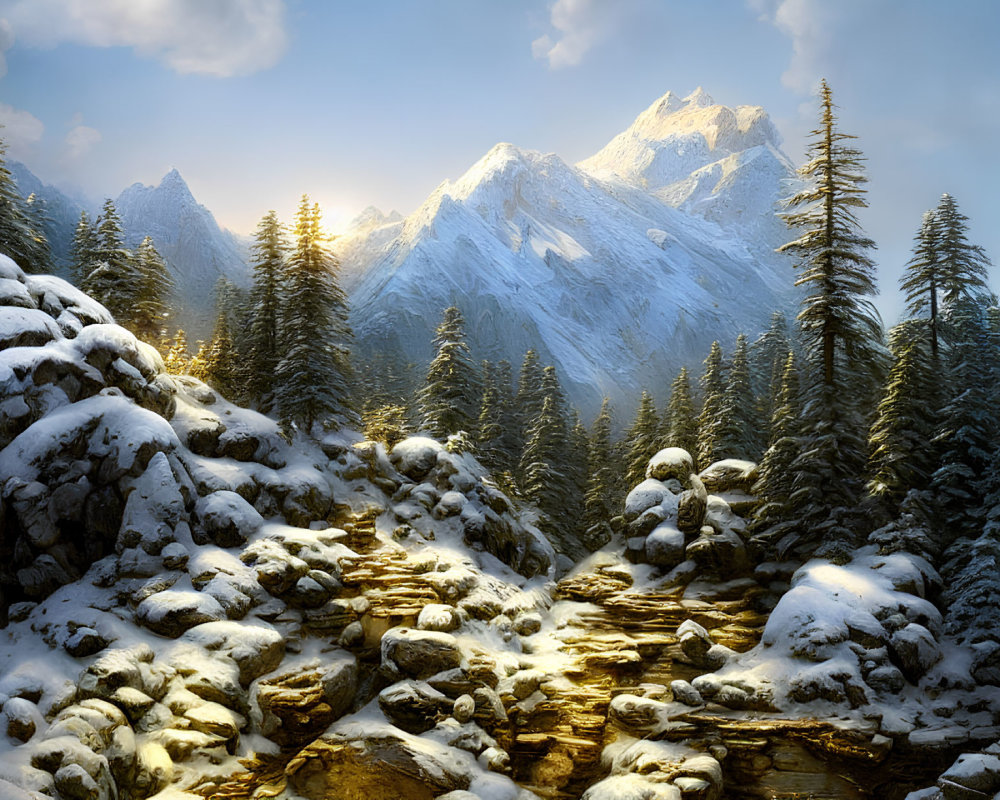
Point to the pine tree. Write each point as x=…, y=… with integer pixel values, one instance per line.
x=903, y=456
x=737, y=426
x=775, y=476
x=921, y=282
x=642, y=440
x=177, y=359
x=841, y=333
x=577, y=461
x=112, y=276
x=713, y=387
x=40, y=226
x=450, y=399
x=767, y=356
x=385, y=423
x=530, y=394
x=681, y=420
x=544, y=483
x=82, y=249
x=268, y=255
x=313, y=378
x=967, y=434
x=489, y=428
x=600, y=499
x=965, y=265
x=221, y=369
x=19, y=238
x=149, y=317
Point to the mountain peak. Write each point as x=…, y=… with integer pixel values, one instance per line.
x=699, y=98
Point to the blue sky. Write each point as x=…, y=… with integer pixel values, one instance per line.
x=374, y=103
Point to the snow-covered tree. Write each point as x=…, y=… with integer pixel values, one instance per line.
x=903, y=455
x=680, y=421
x=177, y=359
x=148, y=319
x=713, y=387
x=965, y=265
x=313, y=378
x=496, y=437
x=840, y=330
x=450, y=399
x=737, y=426
x=268, y=254
x=82, y=249
x=600, y=500
x=112, y=276
x=767, y=357
x=967, y=433
x=642, y=441
x=544, y=483
x=40, y=226
x=775, y=476
x=19, y=237
x=530, y=394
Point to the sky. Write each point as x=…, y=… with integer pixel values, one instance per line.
x=375, y=103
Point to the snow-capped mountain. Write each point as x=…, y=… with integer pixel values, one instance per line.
x=618, y=270
x=186, y=234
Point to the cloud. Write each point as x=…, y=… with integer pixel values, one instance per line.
x=580, y=24
x=80, y=140
x=812, y=25
x=6, y=42
x=222, y=38
x=20, y=131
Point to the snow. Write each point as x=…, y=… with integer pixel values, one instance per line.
x=594, y=271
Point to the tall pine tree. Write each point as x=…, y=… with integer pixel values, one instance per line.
x=112, y=277
x=268, y=254
x=680, y=421
x=313, y=378
x=451, y=397
x=152, y=306
x=642, y=440
x=737, y=426
x=841, y=333
x=713, y=387
x=600, y=500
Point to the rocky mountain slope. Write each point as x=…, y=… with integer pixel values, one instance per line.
x=193, y=607
x=197, y=251
x=618, y=270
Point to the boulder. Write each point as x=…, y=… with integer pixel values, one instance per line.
x=914, y=650
x=671, y=462
x=413, y=705
x=226, y=519
x=419, y=654
x=664, y=547
x=171, y=613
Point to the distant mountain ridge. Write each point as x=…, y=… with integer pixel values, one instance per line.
x=197, y=251
x=618, y=270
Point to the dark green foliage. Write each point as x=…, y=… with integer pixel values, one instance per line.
x=921, y=282
x=967, y=434
x=530, y=394
x=112, y=276
x=149, y=316
x=903, y=455
x=601, y=498
x=544, y=483
x=736, y=429
x=642, y=441
x=21, y=237
x=713, y=387
x=83, y=247
x=841, y=333
x=767, y=356
x=577, y=460
x=680, y=421
x=965, y=265
x=269, y=251
x=39, y=225
x=313, y=379
x=775, y=477
x=450, y=399
x=221, y=368
x=495, y=437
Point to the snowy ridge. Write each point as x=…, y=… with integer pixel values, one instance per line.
x=197, y=251
x=615, y=278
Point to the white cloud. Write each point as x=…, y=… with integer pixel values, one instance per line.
x=811, y=25
x=80, y=140
x=20, y=131
x=580, y=24
x=212, y=37
x=6, y=42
